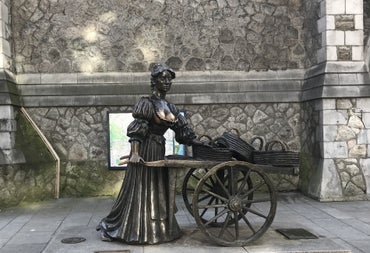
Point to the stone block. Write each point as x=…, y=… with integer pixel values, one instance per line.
x=346, y=67
x=343, y=104
x=328, y=104
x=354, y=38
x=344, y=53
x=112, y=77
x=321, y=24
x=363, y=104
x=354, y=7
x=344, y=22
x=6, y=112
x=365, y=166
x=363, y=137
x=321, y=53
x=331, y=79
x=5, y=47
x=331, y=183
x=56, y=78
x=333, y=38
x=345, y=79
x=335, y=6
x=7, y=140
x=331, y=150
x=28, y=78
x=345, y=133
x=8, y=125
x=334, y=117
x=357, y=151
x=359, y=22
x=357, y=53
x=331, y=53
x=3, y=33
x=326, y=23
x=366, y=119
x=4, y=11
x=329, y=133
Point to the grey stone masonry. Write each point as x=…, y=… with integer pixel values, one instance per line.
x=6, y=54
x=191, y=87
x=127, y=36
x=341, y=26
x=9, y=154
x=345, y=147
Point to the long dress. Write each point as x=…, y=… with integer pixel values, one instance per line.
x=142, y=211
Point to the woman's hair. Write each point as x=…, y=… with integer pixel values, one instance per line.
x=158, y=69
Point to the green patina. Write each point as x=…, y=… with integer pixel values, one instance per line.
x=35, y=179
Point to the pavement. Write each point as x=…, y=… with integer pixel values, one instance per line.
x=40, y=227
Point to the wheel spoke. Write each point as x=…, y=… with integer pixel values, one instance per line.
x=245, y=180
x=222, y=185
x=231, y=183
x=190, y=189
x=204, y=198
x=252, y=190
x=255, y=212
x=205, y=183
x=248, y=201
x=216, y=195
x=212, y=206
x=247, y=222
x=224, y=226
x=236, y=220
x=216, y=217
x=205, y=210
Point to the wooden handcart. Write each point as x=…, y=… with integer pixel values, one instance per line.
x=233, y=202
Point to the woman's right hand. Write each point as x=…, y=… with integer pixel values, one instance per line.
x=135, y=158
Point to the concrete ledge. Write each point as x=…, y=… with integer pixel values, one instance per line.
x=188, y=88
x=326, y=80
x=9, y=94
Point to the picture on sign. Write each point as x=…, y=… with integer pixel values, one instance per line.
x=118, y=141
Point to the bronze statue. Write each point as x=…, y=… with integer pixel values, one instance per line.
x=142, y=213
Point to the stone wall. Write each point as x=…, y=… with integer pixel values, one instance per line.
x=335, y=149
x=6, y=51
x=79, y=136
x=127, y=36
x=34, y=178
x=366, y=21
x=312, y=39
x=310, y=151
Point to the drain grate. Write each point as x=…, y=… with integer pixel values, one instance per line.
x=296, y=233
x=73, y=240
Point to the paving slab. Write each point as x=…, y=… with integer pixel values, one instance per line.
x=341, y=227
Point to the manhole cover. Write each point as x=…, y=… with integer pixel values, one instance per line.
x=72, y=240
x=296, y=233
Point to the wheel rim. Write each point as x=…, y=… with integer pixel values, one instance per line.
x=190, y=182
x=244, y=210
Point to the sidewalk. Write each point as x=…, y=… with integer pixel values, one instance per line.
x=340, y=226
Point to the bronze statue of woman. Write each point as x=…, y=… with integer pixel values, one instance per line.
x=142, y=212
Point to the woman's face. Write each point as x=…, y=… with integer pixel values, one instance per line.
x=164, y=81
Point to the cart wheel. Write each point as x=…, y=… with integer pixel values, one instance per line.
x=192, y=179
x=243, y=218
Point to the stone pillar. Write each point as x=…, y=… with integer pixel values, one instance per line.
x=343, y=135
x=8, y=93
x=341, y=29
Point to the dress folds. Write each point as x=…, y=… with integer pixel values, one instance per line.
x=142, y=212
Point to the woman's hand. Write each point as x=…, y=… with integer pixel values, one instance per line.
x=135, y=158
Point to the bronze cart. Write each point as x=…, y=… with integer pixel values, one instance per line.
x=233, y=202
